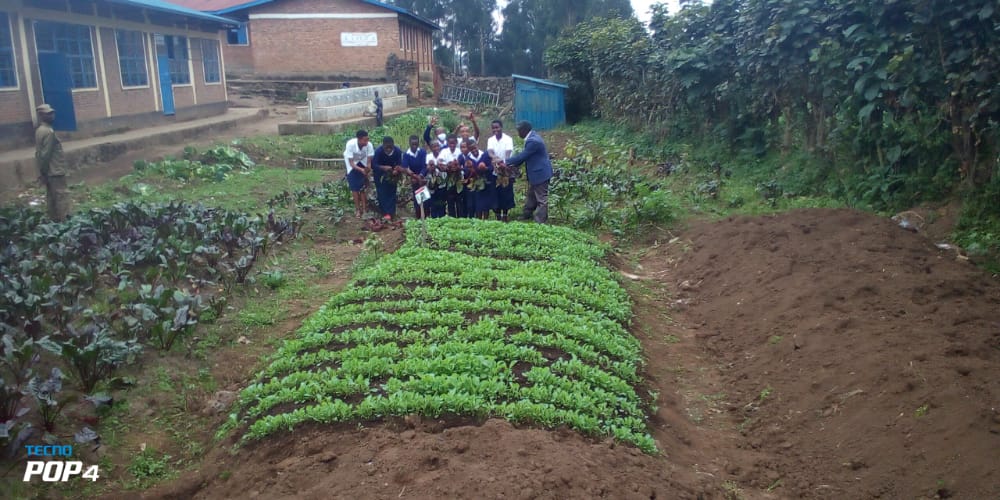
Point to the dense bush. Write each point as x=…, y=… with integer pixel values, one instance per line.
x=894, y=102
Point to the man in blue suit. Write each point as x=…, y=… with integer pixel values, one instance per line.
x=539, y=170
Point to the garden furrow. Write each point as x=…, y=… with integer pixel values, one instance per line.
x=468, y=319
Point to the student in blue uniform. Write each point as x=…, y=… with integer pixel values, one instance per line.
x=484, y=195
x=438, y=162
x=440, y=136
x=358, y=159
x=467, y=198
x=500, y=146
x=415, y=165
x=455, y=200
x=388, y=167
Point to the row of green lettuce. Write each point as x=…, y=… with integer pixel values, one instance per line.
x=468, y=319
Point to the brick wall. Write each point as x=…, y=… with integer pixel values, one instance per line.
x=315, y=6
x=14, y=106
x=311, y=47
x=89, y=104
x=290, y=48
x=239, y=58
x=207, y=92
x=183, y=96
x=126, y=101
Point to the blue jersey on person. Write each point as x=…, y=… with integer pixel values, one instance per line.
x=485, y=199
x=385, y=186
x=416, y=161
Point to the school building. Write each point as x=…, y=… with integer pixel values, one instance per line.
x=107, y=65
x=321, y=39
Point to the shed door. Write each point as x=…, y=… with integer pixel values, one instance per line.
x=539, y=104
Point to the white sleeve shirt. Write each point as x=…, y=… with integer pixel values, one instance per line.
x=353, y=154
x=443, y=157
x=500, y=149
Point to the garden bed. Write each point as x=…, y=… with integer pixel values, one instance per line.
x=473, y=319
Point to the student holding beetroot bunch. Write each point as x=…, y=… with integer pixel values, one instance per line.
x=415, y=165
x=500, y=146
x=388, y=167
x=483, y=193
x=439, y=160
x=358, y=160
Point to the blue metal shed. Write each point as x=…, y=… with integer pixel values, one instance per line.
x=541, y=102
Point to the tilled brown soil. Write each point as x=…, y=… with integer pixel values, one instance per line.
x=818, y=354
x=861, y=358
x=430, y=460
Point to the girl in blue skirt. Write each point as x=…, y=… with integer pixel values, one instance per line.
x=484, y=184
x=388, y=166
x=358, y=160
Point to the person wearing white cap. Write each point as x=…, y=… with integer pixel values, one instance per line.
x=51, y=165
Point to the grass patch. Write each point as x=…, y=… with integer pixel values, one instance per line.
x=261, y=312
x=242, y=191
x=524, y=324
x=149, y=467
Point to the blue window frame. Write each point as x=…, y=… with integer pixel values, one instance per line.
x=210, y=61
x=73, y=41
x=177, y=53
x=238, y=35
x=8, y=74
x=132, y=58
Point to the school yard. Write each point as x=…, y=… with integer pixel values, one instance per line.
x=662, y=341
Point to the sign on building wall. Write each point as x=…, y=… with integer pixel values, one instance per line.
x=359, y=39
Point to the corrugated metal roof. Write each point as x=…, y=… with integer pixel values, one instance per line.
x=213, y=6
x=229, y=6
x=399, y=10
x=539, y=80
x=241, y=5
x=162, y=6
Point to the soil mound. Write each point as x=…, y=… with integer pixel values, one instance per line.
x=862, y=358
x=494, y=460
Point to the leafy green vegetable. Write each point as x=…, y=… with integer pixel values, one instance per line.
x=484, y=319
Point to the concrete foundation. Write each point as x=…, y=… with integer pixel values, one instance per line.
x=320, y=128
x=344, y=104
x=327, y=98
x=346, y=111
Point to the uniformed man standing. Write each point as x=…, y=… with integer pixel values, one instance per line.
x=51, y=165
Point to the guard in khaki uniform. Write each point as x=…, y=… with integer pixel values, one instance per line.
x=51, y=165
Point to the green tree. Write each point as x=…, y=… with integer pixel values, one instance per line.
x=895, y=101
x=531, y=26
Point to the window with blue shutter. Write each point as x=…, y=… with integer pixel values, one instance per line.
x=132, y=58
x=177, y=53
x=210, y=61
x=73, y=41
x=8, y=74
